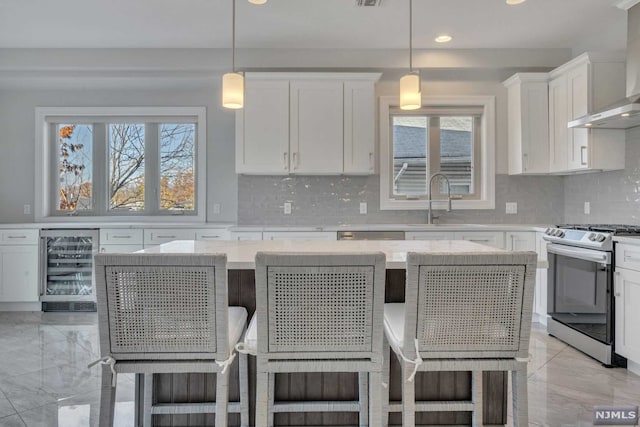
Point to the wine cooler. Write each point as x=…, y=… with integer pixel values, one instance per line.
x=66, y=274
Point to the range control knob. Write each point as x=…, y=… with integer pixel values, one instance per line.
x=601, y=238
x=592, y=237
x=561, y=233
x=547, y=231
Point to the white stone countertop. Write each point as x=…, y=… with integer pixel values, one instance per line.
x=328, y=227
x=241, y=254
x=627, y=239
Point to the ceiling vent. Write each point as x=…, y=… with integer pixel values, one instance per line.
x=368, y=2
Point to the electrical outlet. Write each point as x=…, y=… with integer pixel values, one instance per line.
x=287, y=208
x=587, y=208
x=216, y=208
x=26, y=209
x=363, y=208
x=511, y=208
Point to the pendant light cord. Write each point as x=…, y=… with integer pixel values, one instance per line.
x=410, y=36
x=233, y=36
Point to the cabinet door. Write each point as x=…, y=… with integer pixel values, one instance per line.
x=359, y=122
x=429, y=235
x=19, y=273
x=520, y=241
x=317, y=130
x=627, y=301
x=299, y=235
x=159, y=236
x=246, y=235
x=558, y=131
x=495, y=238
x=120, y=249
x=578, y=106
x=262, y=129
x=540, y=296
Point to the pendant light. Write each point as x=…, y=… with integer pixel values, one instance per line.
x=233, y=82
x=410, y=95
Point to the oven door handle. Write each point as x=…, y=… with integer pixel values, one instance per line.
x=585, y=254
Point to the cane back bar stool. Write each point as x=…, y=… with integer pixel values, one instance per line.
x=463, y=312
x=318, y=313
x=168, y=313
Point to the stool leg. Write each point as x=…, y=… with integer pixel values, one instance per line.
x=147, y=400
x=244, y=390
x=272, y=397
x=222, y=398
x=375, y=401
x=107, y=398
x=519, y=397
x=385, y=378
x=363, y=397
x=476, y=397
x=408, y=397
x=262, y=399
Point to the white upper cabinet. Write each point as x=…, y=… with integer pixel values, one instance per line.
x=317, y=127
x=262, y=128
x=540, y=143
x=359, y=128
x=528, y=123
x=307, y=124
x=580, y=87
x=558, y=118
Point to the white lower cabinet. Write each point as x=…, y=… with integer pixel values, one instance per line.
x=159, y=236
x=520, y=241
x=120, y=240
x=627, y=301
x=19, y=273
x=429, y=235
x=299, y=235
x=246, y=235
x=489, y=238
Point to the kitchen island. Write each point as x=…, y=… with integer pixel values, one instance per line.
x=334, y=386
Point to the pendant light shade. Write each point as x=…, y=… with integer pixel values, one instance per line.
x=233, y=90
x=233, y=82
x=410, y=92
x=410, y=96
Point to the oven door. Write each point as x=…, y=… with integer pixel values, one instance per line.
x=579, y=289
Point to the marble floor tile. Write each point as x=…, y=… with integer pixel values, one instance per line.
x=12, y=421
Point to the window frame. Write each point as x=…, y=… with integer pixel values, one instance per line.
x=44, y=195
x=486, y=199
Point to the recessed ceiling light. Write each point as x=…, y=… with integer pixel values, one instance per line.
x=625, y=114
x=514, y=2
x=258, y=1
x=443, y=38
x=588, y=125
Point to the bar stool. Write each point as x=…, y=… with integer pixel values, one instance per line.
x=318, y=313
x=168, y=313
x=463, y=312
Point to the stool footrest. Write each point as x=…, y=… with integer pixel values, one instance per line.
x=330, y=406
x=191, y=408
x=436, y=406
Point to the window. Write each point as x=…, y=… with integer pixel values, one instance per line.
x=452, y=136
x=121, y=162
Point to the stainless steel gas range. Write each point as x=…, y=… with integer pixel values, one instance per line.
x=580, y=299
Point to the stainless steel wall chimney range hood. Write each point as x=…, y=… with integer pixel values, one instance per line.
x=624, y=114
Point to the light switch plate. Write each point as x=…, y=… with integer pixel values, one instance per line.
x=216, y=208
x=287, y=208
x=587, y=208
x=363, y=208
x=26, y=209
x=511, y=208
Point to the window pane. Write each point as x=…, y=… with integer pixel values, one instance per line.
x=410, y=142
x=456, y=154
x=177, y=160
x=126, y=167
x=74, y=150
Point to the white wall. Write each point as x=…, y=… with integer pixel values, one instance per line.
x=17, y=123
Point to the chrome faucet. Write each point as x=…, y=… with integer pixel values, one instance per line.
x=430, y=201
